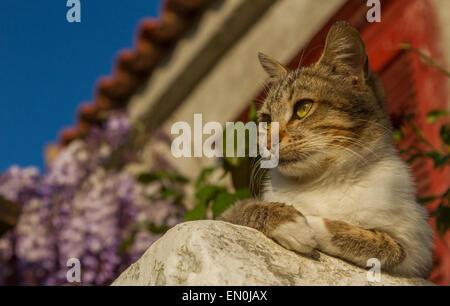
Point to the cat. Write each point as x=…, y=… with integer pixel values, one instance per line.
x=340, y=186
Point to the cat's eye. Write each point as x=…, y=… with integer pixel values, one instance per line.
x=302, y=108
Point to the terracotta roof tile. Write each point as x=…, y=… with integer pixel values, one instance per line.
x=169, y=27
x=104, y=103
x=185, y=6
x=68, y=135
x=142, y=60
x=83, y=128
x=88, y=112
x=132, y=67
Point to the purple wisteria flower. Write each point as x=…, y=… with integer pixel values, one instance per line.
x=117, y=130
x=18, y=184
x=77, y=209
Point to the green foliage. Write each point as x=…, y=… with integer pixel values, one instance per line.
x=170, y=188
x=439, y=157
x=226, y=199
x=252, y=115
x=398, y=135
x=442, y=214
x=240, y=167
x=435, y=115
x=426, y=200
x=445, y=134
x=221, y=203
x=197, y=213
x=214, y=197
x=127, y=243
x=149, y=226
x=203, y=175
x=167, y=193
x=171, y=184
x=150, y=177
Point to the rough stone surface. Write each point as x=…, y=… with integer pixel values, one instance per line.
x=219, y=253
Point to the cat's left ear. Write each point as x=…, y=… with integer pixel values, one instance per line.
x=345, y=51
x=271, y=66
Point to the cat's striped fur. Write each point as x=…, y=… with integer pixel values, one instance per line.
x=353, y=196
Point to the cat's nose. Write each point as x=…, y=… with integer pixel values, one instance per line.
x=281, y=135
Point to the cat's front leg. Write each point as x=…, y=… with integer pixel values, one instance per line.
x=355, y=244
x=282, y=223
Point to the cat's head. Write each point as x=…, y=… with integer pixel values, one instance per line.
x=330, y=114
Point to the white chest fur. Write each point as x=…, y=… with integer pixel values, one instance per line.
x=382, y=199
x=376, y=199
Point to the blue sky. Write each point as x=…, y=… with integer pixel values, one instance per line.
x=49, y=66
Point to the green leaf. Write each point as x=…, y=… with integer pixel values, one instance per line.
x=197, y=213
x=243, y=193
x=405, y=46
x=206, y=193
x=437, y=210
x=413, y=157
x=419, y=133
x=437, y=158
x=426, y=200
x=178, y=178
x=434, y=115
x=446, y=194
x=225, y=199
x=410, y=149
x=398, y=135
x=442, y=214
x=146, y=178
x=434, y=155
x=204, y=174
x=126, y=244
x=252, y=113
x=230, y=135
x=441, y=161
x=170, y=193
x=151, y=227
x=149, y=177
x=233, y=162
x=445, y=134
x=221, y=203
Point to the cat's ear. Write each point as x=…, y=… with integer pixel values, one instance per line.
x=345, y=50
x=271, y=66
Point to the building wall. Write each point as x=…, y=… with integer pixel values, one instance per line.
x=442, y=9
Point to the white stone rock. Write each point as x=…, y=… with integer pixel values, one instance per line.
x=217, y=253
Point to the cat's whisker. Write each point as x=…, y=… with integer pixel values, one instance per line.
x=357, y=143
x=257, y=176
x=350, y=151
x=350, y=140
x=387, y=130
x=315, y=144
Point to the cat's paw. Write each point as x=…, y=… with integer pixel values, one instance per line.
x=295, y=235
